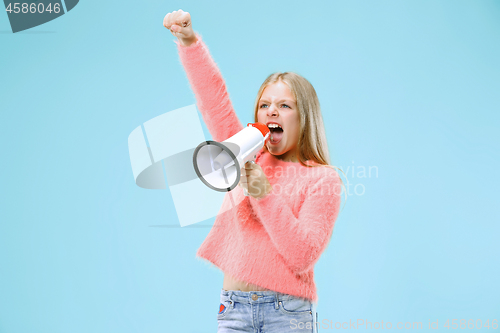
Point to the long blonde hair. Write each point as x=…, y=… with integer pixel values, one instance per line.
x=312, y=144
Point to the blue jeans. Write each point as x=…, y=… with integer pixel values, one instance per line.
x=265, y=312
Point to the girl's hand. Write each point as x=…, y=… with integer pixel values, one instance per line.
x=179, y=24
x=254, y=180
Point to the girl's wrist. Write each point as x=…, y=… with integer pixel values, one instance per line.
x=188, y=41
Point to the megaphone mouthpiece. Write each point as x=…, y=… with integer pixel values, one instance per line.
x=262, y=128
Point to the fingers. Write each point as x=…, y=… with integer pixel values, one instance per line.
x=251, y=165
x=184, y=20
x=251, y=186
x=177, y=22
x=245, y=175
x=167, y=21
x=180, y=22
x=251, y=172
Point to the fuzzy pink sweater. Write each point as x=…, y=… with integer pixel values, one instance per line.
x=273, y=242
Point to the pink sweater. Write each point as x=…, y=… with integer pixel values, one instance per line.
x=273, y=242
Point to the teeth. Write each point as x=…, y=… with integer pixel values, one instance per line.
x=274, y=126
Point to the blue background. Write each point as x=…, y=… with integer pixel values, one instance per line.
x=408, y=87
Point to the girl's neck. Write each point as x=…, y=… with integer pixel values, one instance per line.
x=290, y=157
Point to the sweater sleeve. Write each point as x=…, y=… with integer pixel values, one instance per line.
x=210, y=90
x=301, y=240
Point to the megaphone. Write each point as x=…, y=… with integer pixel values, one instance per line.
x=218, y=164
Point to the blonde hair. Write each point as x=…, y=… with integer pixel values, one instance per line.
x=312, y=144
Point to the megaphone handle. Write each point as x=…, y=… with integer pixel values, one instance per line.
x=245, y=192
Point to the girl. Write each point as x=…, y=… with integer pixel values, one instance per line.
x=268, y=244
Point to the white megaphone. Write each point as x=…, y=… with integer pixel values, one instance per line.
x=218, y=164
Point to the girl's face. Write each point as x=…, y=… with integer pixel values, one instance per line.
x=278, y=106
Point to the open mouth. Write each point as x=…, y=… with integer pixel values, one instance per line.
x=276, y=133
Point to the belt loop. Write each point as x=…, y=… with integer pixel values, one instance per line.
x=230, y=297
x=315, y=314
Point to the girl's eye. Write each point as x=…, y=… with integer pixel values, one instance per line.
x=263, y=105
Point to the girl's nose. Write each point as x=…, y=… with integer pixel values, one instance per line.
x=272, y=111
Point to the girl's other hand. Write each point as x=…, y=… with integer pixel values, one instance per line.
x=254, y=180
x=179, y=24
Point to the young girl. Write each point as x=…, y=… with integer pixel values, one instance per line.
x=268, y=244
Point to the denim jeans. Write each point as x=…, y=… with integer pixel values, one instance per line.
x=265, y=312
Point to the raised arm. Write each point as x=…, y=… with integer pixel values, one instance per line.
x=205, y=78
x=301, y=239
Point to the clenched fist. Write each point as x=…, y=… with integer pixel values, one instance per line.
x=254, y=180
x=179, y=24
